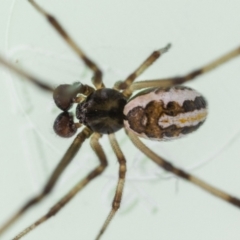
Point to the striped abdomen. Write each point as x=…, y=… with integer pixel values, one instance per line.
x=165, y=113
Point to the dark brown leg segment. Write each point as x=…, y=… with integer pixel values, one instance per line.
x=168, y=82
x=97, y=79
x=121, y=179
x=182, y=174
x=125, y=85
x=26, y=75
x=78, y=187
x=67, y=158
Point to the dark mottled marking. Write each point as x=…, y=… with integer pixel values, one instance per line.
x=173, y=109
x=187, y=130
x=197, y=104
x=173, y=131
x=200, y=102
x=189, y=106
x=137, y=115
x=145, y=120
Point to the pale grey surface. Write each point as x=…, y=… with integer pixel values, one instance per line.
x=119, y=35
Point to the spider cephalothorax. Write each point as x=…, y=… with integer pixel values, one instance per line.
x=102, y=111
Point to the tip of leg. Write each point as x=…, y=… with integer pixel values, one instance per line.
x=165, y=49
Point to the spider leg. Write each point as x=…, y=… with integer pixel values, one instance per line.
x=26, y=75
x=168, y=82
x=97, y=79
x=97, y=148
x=121, y=179
x=67, y=158
x=130, y=79
x=181, y=173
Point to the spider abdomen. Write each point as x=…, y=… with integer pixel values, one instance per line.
x=165, y=113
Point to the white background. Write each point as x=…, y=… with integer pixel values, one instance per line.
x=118, y=36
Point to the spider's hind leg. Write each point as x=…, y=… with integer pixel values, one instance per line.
x=167, y=166
x=172, y=81
x=65, y=161
x=97, y=148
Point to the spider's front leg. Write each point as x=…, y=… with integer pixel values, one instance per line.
x=126, y=84
x=38, y=83
x=97, y=78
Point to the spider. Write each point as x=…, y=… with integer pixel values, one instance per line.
x=163, y=110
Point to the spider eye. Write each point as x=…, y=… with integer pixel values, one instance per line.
x=64, y=125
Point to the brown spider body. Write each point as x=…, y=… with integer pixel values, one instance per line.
x=154, y=113
x=163, y=111
x=102, y=111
